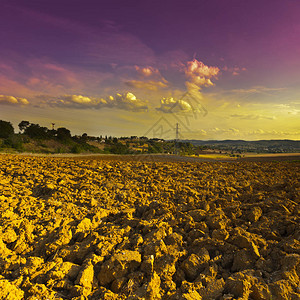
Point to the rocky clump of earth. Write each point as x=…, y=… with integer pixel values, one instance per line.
x=94, y=229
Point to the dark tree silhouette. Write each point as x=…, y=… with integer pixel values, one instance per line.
x=23, y=125
x=84, y=137
x=36, y=131
x=6, y=129
x=63, y=134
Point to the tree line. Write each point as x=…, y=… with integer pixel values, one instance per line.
x=29, y=132
x=33, y=130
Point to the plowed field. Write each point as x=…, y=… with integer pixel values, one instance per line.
x=111, y=229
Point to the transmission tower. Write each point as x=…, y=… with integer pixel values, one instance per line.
x=176, y=150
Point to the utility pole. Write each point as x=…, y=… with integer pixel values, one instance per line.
x=176, y=151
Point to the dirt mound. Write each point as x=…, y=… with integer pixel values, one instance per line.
x=93, y=229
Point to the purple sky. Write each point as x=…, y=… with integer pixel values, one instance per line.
x=116, y=67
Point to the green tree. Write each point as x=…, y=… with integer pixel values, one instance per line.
x=6, y=129
x=63, y=134
x=155, y=147
x=76, y=149
x=119, y=148
x=23, y=125
x=36, y=131
x=14, y=141
x=84, y=137
x=51, y=133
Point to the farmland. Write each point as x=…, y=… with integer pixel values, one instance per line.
x=92, y=228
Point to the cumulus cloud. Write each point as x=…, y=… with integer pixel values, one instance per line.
x=147, y=71
x=126, y=101
x=149, y=78
x=252, y=117
x=149, y=85
x=11, y=100
x=80, y=99
x=171, y=105
x=199, y=75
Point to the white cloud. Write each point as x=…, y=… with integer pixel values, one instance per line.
x=149, y=85
x=150, y=79
x=292, y=108
x=80, y=99
x=252, y=117
x=171, y=105
x=147, y=71
x=11, y=100
x=199, y=75
x=294, y=112
x=76, y=101
x=234, y=130
x=126, y=101
x=202, y=132
x=225, y=131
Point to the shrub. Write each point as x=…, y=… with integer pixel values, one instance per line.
x=76, y=149
x=14, y=142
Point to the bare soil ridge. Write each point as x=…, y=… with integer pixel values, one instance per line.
x=92, y=228
x=171, y=157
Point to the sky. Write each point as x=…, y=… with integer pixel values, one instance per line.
x=221, y=69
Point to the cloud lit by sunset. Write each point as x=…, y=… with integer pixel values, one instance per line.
x=10, y=100
x=199, y=75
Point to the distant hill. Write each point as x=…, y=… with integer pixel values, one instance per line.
x=261, y=146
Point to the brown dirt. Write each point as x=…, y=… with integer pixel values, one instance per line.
x=174, y=158
x=272, y=157
x=109, y=229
